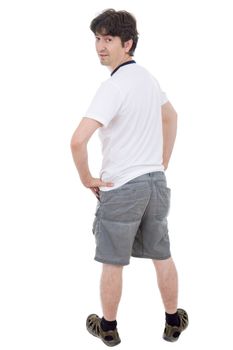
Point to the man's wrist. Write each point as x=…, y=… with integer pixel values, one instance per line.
x=165, y=165
x=86, y=181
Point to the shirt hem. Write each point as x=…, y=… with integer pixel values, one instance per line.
x=131, y=177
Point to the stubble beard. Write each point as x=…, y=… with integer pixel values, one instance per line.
x=104, y=62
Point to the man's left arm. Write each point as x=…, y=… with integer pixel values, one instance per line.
x=79, y=142
x=169, y=121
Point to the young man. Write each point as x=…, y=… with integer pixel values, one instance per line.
x=137, y=127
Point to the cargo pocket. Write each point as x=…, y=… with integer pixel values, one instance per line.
x=163, y=196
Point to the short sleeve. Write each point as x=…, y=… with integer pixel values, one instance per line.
x=161, y=94
x=105, y=104
x=163, y=97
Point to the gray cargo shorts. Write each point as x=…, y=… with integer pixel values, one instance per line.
x=131, y=220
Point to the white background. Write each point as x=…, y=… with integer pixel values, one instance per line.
x=49, y=73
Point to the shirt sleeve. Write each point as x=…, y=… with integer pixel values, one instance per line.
x=163, y=97
x=105, y=104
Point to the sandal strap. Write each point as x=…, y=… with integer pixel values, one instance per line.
x=183, y=319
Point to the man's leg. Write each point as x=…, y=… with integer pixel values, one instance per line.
x=176, y=319
x=105, y=328
x=168, y=283
x=110, y=290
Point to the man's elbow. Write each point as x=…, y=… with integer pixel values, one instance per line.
x=76, y=143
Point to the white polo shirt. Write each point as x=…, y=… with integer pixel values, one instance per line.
x=128, y=105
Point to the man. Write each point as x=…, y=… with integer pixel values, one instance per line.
x=137, y=127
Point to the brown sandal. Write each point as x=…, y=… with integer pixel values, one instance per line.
x=110, y=338
x=172, y=333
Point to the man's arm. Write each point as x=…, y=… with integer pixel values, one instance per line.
x=79, y=141
x=169, y=120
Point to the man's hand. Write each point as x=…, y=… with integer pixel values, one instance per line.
x=95, y=184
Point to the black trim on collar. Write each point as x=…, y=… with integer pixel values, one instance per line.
x=121, y=65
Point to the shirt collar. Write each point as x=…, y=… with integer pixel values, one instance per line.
x=121, y=65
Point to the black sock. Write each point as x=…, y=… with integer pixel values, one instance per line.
x=108, y=325
x=173, y=319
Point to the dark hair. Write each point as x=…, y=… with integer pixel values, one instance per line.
x=116, y=23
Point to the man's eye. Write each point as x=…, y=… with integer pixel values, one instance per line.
x=108, y=40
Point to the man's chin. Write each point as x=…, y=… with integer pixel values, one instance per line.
x=103, y=63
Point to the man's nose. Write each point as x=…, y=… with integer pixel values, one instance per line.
x=101, y=46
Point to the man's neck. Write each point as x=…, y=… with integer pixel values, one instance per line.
x=124, y=60
x=121, y=65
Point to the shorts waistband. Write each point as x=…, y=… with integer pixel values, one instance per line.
x=156, y=175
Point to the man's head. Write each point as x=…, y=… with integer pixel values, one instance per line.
x=116, y=36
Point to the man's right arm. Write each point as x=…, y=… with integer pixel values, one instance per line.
x=169, y=121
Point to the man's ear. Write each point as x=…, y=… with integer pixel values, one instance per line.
x=128, y=45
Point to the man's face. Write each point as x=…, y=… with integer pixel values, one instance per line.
x=110, y=51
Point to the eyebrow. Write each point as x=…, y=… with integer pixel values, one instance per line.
x=103, y=35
